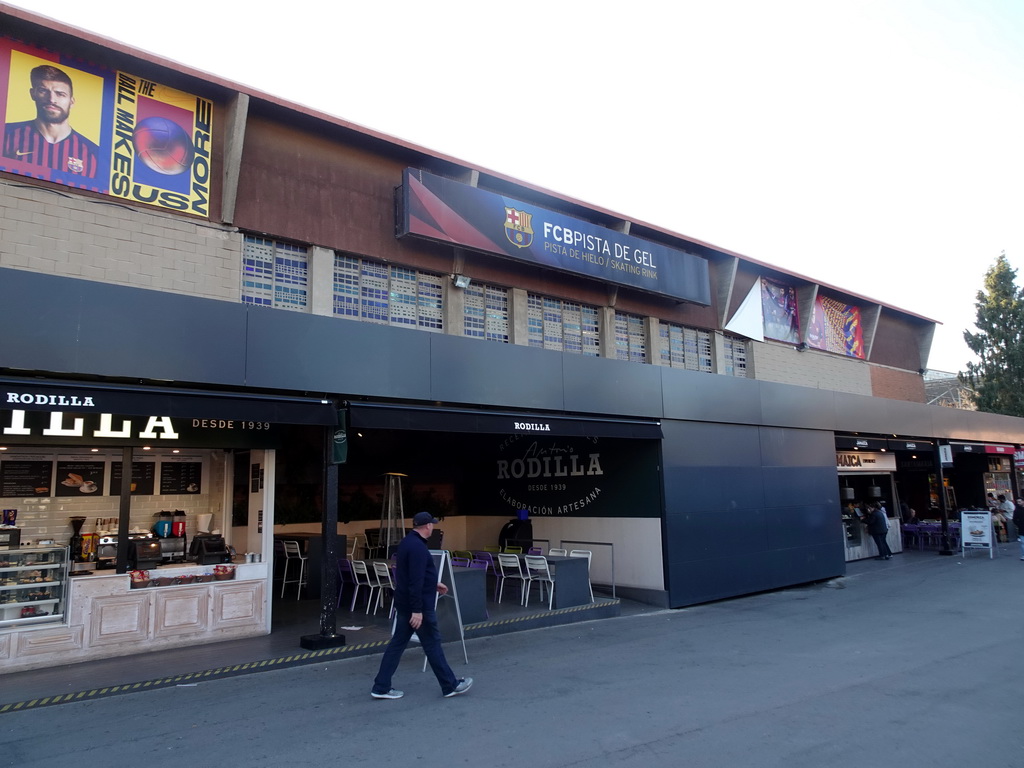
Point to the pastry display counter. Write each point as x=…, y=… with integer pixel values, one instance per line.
x=33, y=585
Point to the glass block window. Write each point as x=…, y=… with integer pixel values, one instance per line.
x=486, y=312
x=682, y=347
x=735, y=356
x=630, y=341
x=376, y=293
x=274, y=274
x=563, y=326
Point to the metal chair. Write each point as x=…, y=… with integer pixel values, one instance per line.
x=511, y=568
x=535, y=551
x=584, y=553
x=558, y=552
x=293, y=552
x=537, y=567
x=383, y=573
x=461, y=562
x=363, y=578
x=513, y=550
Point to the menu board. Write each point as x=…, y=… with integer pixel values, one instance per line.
x=26, y=476
x=143, y=478
x=181, y=474
x=79, y=475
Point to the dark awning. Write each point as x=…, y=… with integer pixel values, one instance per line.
x=422, y=418
x=1006, y=450
x=855, y=443
x=81, y=397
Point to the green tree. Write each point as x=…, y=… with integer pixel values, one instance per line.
x=998, y=377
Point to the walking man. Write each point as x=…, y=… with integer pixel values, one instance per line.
x=416, y=590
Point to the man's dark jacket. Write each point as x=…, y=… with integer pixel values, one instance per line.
x=415, y=576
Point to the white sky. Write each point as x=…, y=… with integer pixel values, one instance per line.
x=871, y=144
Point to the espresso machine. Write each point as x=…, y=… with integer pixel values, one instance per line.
x=106, y=545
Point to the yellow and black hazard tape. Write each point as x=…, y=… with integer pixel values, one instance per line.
x=283, y=662
x=195, y=677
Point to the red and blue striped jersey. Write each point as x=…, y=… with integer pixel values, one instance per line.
x=74, y=154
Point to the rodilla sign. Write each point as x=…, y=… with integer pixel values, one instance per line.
x=444, y=210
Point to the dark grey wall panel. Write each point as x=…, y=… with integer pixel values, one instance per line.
x=801, y=486
x=748, y=509
x=804, y=526
x=81, y=327
x=797, y=448
x=599, y=385
x=791, y=406
x=707, y=397
x=301, y=352
x=717, y=488
x=481, y=372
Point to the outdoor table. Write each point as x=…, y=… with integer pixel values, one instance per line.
x=572, y=579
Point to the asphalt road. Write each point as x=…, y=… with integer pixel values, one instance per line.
x=911, y=662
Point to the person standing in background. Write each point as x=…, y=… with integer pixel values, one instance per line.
x=1018, y=523
x=878, y=527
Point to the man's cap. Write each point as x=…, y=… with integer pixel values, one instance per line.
x=422, y=518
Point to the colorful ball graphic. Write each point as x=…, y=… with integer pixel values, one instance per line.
x=163, y=145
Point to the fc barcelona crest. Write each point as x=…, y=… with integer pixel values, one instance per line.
x=518, y=228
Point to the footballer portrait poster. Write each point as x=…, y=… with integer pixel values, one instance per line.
x=76, y=124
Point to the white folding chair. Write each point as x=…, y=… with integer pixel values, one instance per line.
x=584, y=553
x=557, y=552
x=383, y=573
x=293, y=552
x=363, y=578
x=537, y=567
x=511, y=568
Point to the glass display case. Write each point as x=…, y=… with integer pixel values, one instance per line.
x=33, y=585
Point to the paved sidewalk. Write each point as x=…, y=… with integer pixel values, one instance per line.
x=903, y=663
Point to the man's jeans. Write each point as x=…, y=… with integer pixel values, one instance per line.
x=430, y=639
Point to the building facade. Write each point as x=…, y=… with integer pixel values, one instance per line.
x=240, y=282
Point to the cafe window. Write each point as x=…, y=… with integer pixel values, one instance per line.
x=274, y=274
x=563, y=326
x=682, y=347
x=486, y=312
x=387, y=295
x=630, y=339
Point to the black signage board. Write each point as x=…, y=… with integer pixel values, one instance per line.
x=181, y=476
x=25, y=477
x=143, y=478
x=77, y=477
x=74, y=397
x=118, y=430
x=381, y=416
x=564, y=477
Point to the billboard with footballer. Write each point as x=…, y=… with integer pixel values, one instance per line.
x=448, y=211
x=73, y=123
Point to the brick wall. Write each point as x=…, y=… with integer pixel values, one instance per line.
x=897, y=385
x=811, y=368
x=44, y=230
